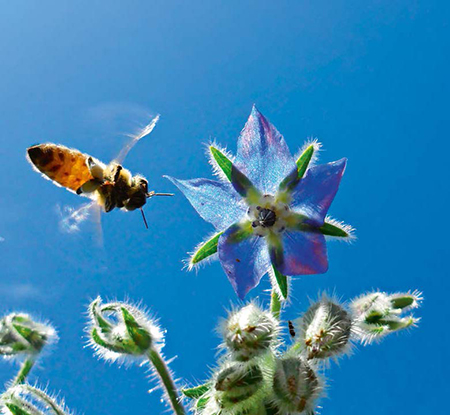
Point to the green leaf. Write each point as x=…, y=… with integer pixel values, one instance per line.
x=304, y=160
x=333, y=230
x=205, y=250
x=282, y=283
x=197, y=391
x=222, y=161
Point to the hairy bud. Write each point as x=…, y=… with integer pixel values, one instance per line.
x=249, y=332
x=378, y=314
x=118, y=330
x=28, y=400
x=20, y=335
x=325, y=329
x=238, y=388
x=296, y=386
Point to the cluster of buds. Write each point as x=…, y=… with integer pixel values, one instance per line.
x=377, y=314
x=254, y=379
x=324, y=330
x=119, y=330
x=21, y=336
x=28, y=400
x=242, y=383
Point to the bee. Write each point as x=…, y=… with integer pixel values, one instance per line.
x=109, y=186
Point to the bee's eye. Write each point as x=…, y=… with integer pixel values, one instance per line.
x=144, y=185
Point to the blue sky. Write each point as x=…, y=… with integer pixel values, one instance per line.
x=368, y=79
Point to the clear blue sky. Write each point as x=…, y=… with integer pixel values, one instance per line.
x=369, y=79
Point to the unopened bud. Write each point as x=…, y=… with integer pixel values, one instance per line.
x=296, y=386
x=378, y=314
x=249, y=332
x=28, y=400
x=119, y=329
x=20, y=335
x=238, y=388
x=325, y=329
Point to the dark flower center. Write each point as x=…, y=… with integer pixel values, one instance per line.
x=266, y=218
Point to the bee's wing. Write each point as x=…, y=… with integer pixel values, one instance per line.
x=72, y=219
x=135, y=138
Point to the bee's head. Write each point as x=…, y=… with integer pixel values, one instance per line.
x=138, y=193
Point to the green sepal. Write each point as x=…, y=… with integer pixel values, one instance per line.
x=304, y=160
x=240, y=181
x=205, y=250
x=197, y=391
x=281, y=282
x=31, y=336
x=333, y=230
x=102, y=323
x=202, y=402
x=403, y=301
x=140, y=337
x=15, y=410
x=222, y=161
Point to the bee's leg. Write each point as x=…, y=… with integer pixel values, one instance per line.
x=107, y=196
x=117, y=173
x=89, y=187
x=95, y=169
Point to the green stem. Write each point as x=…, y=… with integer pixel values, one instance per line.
x=166, y=379
x=27, y=365
x=275, y=304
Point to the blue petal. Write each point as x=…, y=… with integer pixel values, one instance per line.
x=244, y=261
x=262, y=154
x=314, y=193
x=216, y=202
x=300, y=253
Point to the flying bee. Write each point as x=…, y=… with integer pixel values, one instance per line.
x=109, y=186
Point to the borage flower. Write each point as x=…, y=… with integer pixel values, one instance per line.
x=269, y=210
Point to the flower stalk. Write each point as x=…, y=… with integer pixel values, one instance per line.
x=166, y=379
x=24, y=370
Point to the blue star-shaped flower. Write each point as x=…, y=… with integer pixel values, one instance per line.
x=269, y=213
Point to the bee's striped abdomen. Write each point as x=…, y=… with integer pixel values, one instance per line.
x=63, y=165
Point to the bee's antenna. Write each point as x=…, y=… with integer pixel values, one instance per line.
x=143, y=217
x=151, y=194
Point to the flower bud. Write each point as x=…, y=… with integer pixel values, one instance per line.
x=296, y=386
x=20, y=335
x=325, y=329
x=249, y=332
x=378, y=314
x=119, y=329
x=28, y=400
x=238, y=388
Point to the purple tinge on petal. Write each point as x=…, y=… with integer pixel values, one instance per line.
x=216, y=202
x=314, y=193
x=301, y=253
x=262, y=154
x=244, y=261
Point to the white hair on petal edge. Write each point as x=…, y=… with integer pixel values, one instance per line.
x=217, y=171
x=348, y=229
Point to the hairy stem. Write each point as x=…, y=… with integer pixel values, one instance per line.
x=25, y=369
x=167, y=381
x=275, y=304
